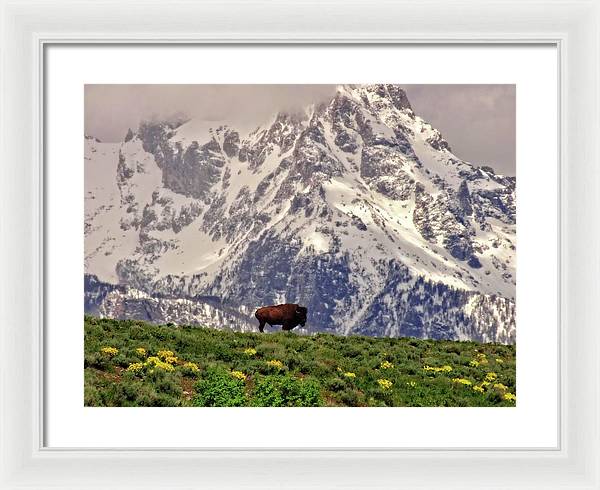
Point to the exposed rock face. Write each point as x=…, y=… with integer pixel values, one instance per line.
x=231, y=143
x=129, y=136
x=127, y=303
x=356, y=209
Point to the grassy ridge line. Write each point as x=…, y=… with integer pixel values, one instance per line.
x=131, y=363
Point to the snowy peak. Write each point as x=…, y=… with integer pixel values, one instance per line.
x=377, y=96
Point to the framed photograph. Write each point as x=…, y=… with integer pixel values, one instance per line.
x=343, y=245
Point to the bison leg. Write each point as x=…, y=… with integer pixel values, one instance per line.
x=288, y=326
x=261, y=325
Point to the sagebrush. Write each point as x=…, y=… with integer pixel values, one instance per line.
x=132, y=363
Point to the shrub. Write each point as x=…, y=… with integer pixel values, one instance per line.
x=223, y=352
x=220, y=389
x=351, y=398
x=352, y=352
x=97, y=360
x=149, y=396
x=286, y=391
x=267, y=393
x=300, y=392
x=335, y=384
x=167, y=384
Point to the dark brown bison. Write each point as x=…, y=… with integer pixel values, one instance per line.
x=288, y=315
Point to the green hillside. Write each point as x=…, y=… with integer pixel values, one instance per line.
x=132, y=363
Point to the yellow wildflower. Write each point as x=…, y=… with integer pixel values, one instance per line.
x=165, y=366
x=171, y=360
x=386, y=365
x=250, y=351
x=156, y=362
x=136, y=367
x=443, y=369
x=462, y=381
x=110, y=351
x=499, y=361
x=510, y=397
x=412, y=384
x=385, y=384
x=500, y=386
x=163, y=354
x=478, y=388
x=474, y=363
x=350, y=375
x=491, y=377
x=191, y=366
x=141, y=351
x=275, y=364
x=238, y=375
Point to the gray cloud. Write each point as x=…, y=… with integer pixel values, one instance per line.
x=111, y=109
x=477, y=120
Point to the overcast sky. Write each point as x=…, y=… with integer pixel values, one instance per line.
x=478, y=121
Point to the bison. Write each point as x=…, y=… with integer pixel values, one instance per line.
x=288, y=315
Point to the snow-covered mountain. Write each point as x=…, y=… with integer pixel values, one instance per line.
x=356, y=208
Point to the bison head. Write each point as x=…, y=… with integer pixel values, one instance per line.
x=301, y=315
